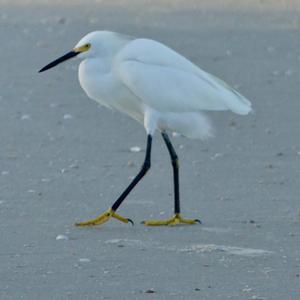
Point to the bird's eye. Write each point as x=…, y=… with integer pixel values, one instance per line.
x=88, y=46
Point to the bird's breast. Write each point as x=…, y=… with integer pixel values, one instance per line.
x=94, y=79
x=102, y=85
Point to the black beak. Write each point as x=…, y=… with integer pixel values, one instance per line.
x=59, y=60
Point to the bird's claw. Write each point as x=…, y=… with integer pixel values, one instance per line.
x=110, y=213
x=130, y=221
x=175, y=220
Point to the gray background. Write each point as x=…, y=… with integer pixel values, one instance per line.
x=64, y=159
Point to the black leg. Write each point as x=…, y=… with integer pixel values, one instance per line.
x=139, y=176
x=175, y=164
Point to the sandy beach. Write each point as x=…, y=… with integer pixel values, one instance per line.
x=63, y=159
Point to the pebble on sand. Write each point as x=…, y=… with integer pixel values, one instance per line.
x=135, y=149
x=25, y=117
x=150, y=291
x=61, y=237
x=84, y=260
x=67, y=116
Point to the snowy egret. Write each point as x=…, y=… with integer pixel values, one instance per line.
x=157, y=87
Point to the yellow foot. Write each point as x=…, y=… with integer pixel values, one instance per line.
x=176, y=219
x=104, y=218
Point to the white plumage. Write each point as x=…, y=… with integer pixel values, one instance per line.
x=159, y=88
x=143, y=77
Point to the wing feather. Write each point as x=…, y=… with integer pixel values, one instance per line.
x=166, y=81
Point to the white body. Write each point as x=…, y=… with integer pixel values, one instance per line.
x=153, y=84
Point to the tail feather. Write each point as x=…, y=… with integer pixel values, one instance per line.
x=238, y=103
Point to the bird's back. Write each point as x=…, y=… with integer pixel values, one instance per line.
x=146, y=65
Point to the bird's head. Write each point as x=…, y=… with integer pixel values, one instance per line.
x=94, y=44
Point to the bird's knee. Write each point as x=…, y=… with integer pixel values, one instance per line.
x=146, y=166
x=175, y=163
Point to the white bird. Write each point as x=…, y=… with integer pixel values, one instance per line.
x=156, y=86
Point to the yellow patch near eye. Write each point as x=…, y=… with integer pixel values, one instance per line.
x=83, y=48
